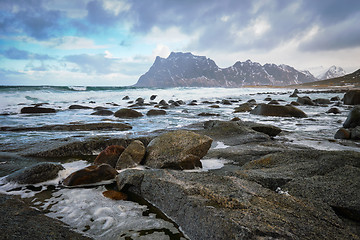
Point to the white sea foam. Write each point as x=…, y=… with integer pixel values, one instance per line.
x=220, y=145
x=210, y=164
x=89, y=212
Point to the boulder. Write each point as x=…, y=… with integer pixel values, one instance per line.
x=322, y=101
x=245, y=107
x=38, y=173
x=153, y=97
x=275, y=102
x=352, y=97
x=217, y=206
x=126, y=98
x=339, y=189
x=131, y=156
x=79, y=107
x=37, y=110
x=334, y=110
x=140, y=101
x=305, y=101
x=226, y=102
x=278, y=111
x=277, y=169
x=355, y=133
x=353, y=118
x=206, y=114
x=214, y=106
x=252, y=101
x=177, y=150
x=335, y=99
x=268, y=129
x=103, y=112
x=342, y=133
x=110, y=155
x=163, y=103
x=295, y=103
x=155, y=112
x=268, y=99
x=127, y=113
x=295, y=93
x=232, y=132
x=90, y=175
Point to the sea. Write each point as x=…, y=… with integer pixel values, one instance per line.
x=85, y=209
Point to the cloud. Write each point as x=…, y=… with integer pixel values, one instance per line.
x=29, y=17
x=17, y=54
x=342, y=35
x=72, y=43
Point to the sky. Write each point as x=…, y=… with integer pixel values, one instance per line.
x=114, y=42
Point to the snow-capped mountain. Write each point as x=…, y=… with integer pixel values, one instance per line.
x=332, y=72
x=188, y=70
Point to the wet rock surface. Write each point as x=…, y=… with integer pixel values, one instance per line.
x=19, y=221
x=72, y=127
x=177, y=150
x=352, y=97
x=212, y=206
x=132, y=155
x=40, y=172
x=37, y=110
x=127, y=113
x=90, y=175
x=278, y=111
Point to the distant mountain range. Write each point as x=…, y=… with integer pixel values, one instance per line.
x=187, y=70
x=351, y=80
x=332, y=72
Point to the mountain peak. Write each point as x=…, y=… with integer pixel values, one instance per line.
x=332, y=72
x=188, y=70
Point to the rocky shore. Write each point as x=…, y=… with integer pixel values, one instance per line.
x=268, y=188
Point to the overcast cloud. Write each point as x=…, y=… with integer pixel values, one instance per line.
x=102, y=37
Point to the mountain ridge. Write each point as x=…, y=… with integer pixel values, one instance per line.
x=188, y=70
x=351, y=80
x=332, y=72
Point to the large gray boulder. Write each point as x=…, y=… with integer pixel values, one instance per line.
x=177, y=150
x=275, y=170
x=278, y=111
x=339, y=189
x=38, y=173
x=213, y=206
x=352, y=97
x=232, y=132
x=353, y=118
x=131, y=156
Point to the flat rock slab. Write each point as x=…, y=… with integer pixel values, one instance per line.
x=21, y=222
x=73, y=127
x=209, y=206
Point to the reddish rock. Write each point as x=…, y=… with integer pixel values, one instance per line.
x=342, y=133
x=110, y=155
x=90, y=175
x=115, y=195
